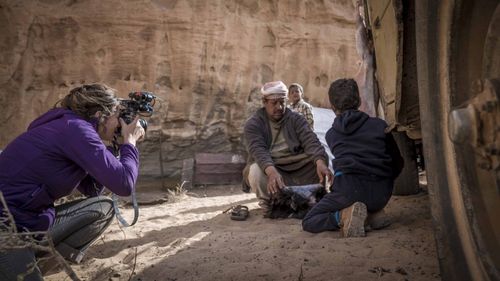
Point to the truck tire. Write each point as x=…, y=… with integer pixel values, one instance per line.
x=407, y=182
x=457, y=43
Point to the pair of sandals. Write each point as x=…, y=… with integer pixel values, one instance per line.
x=238, y=212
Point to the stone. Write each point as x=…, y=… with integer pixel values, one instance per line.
x=205, y=60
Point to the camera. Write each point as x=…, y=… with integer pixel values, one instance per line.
x=140, y=103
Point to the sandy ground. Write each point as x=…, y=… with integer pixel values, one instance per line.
x=188, y=237
x=193, y=240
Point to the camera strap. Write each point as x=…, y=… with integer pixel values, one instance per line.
x=115, y=200
x=118, y=213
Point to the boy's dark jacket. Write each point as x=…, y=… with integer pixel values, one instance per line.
x=360, y=145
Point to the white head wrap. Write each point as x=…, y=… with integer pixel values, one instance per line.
x=274, y=90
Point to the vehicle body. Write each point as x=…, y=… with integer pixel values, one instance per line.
x=437, y=65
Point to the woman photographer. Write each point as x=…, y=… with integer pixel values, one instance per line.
x=62, y=150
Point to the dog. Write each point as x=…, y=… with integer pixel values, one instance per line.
x=294, y=201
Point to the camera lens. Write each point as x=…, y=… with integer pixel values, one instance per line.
x=144, y=124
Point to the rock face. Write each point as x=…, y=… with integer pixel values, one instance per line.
x=206, y=61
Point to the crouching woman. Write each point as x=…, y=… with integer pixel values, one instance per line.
x=63, y=149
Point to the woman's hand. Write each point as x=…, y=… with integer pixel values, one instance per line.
x=132, y=132
x=274, y=180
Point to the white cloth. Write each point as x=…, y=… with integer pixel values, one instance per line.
x=275, y=89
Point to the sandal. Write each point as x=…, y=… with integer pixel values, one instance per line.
x=239, y=213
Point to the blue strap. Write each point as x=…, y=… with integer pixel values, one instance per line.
x=115, y=198
x=118, y=213
x=338, y=173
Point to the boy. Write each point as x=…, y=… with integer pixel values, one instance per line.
x=367, y=160
x=298, y=104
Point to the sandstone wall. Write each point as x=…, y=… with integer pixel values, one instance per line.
x=204, y=59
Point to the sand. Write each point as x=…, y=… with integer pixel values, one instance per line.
x=188, y=237
x=192, y=239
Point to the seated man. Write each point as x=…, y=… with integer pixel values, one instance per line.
x=283, y=150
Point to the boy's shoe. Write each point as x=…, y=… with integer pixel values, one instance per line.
x=352, y=220
x=377, y=220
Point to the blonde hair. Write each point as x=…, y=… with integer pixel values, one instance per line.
x=86, y=100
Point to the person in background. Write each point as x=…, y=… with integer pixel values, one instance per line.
x=63, y=150
x=298, y=104
x=282, y=149
x=367, y=160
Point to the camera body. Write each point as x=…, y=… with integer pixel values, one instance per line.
x=140, y=103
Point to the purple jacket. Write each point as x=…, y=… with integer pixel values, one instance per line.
x=59, y=152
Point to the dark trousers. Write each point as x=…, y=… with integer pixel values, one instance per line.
x=77, y=225
x=374, y=191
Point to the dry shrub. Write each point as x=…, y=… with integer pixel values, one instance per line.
x=177, y=193
x=40, y=241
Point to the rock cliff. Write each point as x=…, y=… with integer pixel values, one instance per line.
x=206, y=61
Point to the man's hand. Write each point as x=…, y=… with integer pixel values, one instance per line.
x=323, y=172
x=274, y=180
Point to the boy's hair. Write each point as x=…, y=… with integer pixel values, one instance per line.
x=344, y=95
x=296, y=86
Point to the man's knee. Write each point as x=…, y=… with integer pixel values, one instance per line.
x=255, y=171
x=256, y=176
x=257, y=179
